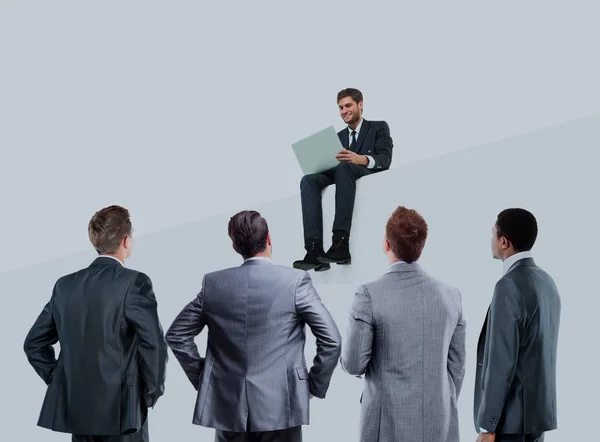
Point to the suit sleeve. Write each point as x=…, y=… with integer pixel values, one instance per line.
x=501, y=348
x=457, y=352
x=313, y=312
x=382, y=149
x=141, y=312
x=39, y=343
x=180, y=337
x=357, y=349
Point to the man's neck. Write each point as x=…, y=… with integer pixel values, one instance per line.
x=510, y=253
x=393, y=259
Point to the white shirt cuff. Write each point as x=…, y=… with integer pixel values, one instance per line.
x=371, y=164
x=483, y=430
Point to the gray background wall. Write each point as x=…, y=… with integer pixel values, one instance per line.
x=549, y=172
x=185, y=110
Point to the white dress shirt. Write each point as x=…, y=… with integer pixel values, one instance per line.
x=507, y=264
x=263, y=258
x=371, y=164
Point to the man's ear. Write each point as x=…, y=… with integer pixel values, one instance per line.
x=386, y=245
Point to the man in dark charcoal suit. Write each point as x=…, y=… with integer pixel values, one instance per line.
x=515, y=383
x=254, y=383
x=367, y=149
x=112, y=362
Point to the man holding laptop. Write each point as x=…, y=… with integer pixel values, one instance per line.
x=366, y=148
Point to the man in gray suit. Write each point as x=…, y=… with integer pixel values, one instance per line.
x=515, y=383
x=406, y=334
x=254, y=384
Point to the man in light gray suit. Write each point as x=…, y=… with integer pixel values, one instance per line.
x=406, y=334
x=515, y=381
x=254, y=384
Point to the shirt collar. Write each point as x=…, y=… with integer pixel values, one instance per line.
x=508, y=262
x=262, y=258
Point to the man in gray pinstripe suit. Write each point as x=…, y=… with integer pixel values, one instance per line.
x=254, y=384
x=406, y=334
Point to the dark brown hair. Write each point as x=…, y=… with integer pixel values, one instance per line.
x=519, y=227
x=248, y=231
x=355, y=94
x=108, y=227
x=406, y=231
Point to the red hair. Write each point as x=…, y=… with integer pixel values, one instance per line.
x=406, y=231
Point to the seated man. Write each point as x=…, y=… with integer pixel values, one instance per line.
x=367, y=149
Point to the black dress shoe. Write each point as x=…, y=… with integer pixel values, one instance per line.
x=313, y=251
x=338, y=253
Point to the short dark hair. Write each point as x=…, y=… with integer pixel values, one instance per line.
x=519, y=226
x=108, y=227
x=355, y=94
x=406, y=231
x=248, y=231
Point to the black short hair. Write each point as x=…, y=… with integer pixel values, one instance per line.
x=519, y=226
x=248, y=231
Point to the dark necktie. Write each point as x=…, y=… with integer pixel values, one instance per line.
x=353, y=142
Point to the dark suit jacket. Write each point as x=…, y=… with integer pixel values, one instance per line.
x=113, y=355
x=515, y=389
x=373, y=140
x=254, y=376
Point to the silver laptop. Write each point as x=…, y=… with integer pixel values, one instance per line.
x=317, y=152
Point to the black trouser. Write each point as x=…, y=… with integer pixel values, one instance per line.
x=520, y=437
x=293, y=434
x=344, y=177
x=139, y=436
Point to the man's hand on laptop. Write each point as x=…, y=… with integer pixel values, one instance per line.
x=347, y=156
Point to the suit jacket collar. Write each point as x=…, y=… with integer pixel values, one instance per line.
x=105, y=260
x=403, y=267
x=255, y=262
x=524, y=262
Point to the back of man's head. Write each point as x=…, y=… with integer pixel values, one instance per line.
x=518, y=226
x=406, y=232
x=248, y=231
x=108, y=229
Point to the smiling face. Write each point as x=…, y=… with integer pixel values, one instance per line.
x=350, y=111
